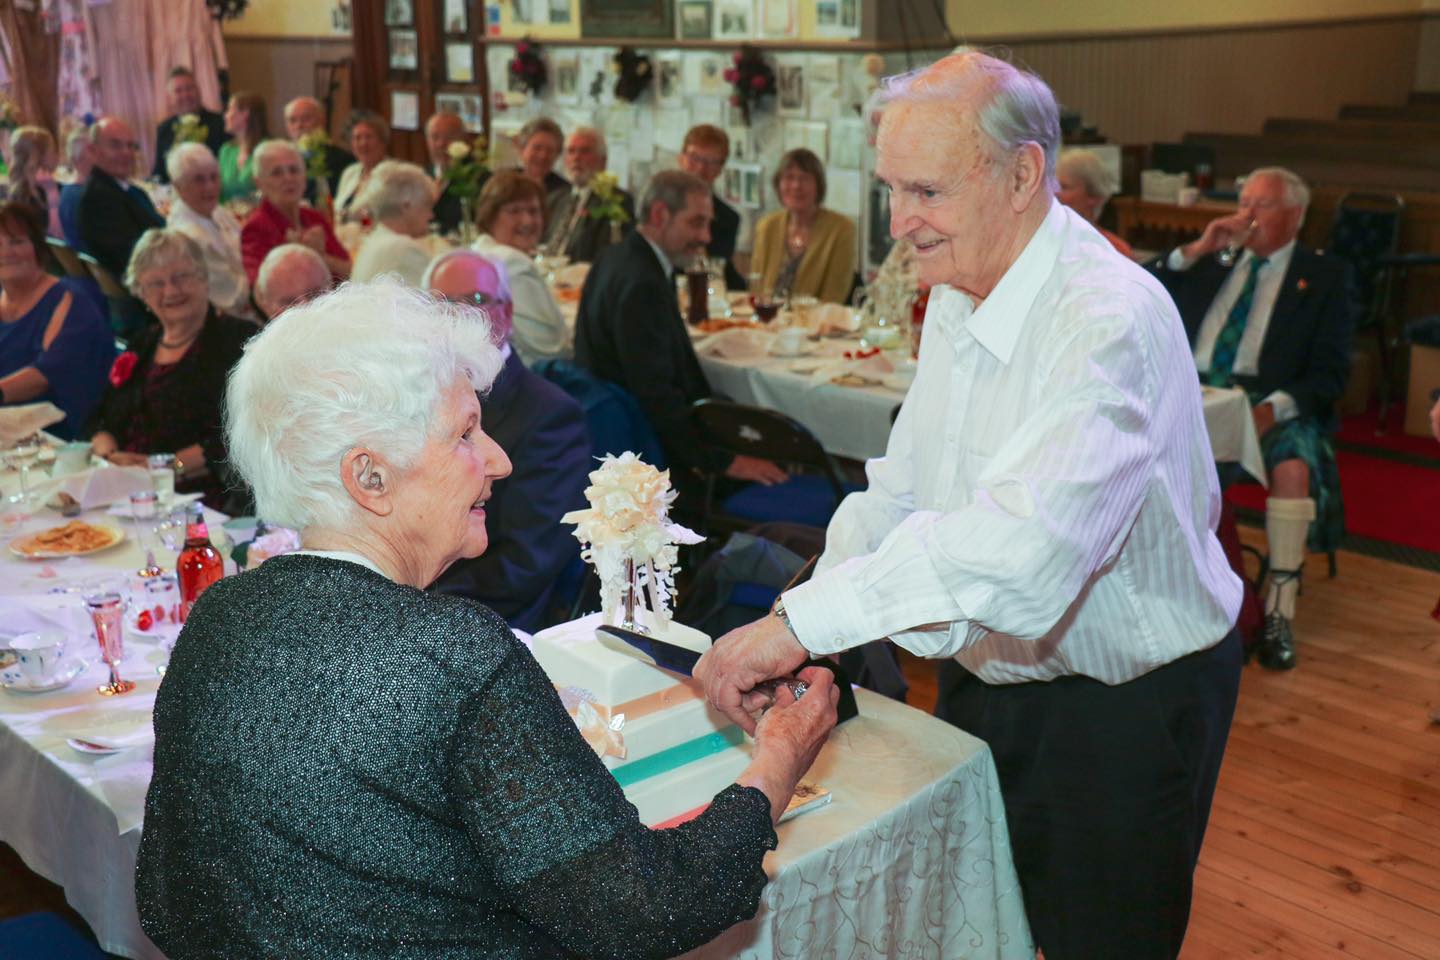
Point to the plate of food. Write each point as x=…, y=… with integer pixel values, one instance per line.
x=74, y=539
x=719, y=324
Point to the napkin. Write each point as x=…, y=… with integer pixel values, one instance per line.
x=738, y=345
x=65, y=612
x=874, y=368
x=830, y=317
x=17, y=423
x=102, y=486
x=122, y=508
x=117, y=731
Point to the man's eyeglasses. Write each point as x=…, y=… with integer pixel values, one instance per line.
x=477, y=299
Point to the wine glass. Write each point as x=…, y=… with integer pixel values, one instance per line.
x=20, y=456
x=107, y=612
x=1235, y=244
x=162, y=476
x=142, y=515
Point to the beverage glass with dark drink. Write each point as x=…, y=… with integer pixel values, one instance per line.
x=697, y=285
x=107, y=612
x=199, y=564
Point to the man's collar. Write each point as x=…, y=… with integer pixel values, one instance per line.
x=997, y=322
x=665, y=263
x=1279, y=261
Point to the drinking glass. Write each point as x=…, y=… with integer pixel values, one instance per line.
x=107, y=612
x=1231, y=253
x=162, y=476
x=142, y=515
x=171, y=530
x=20, y=456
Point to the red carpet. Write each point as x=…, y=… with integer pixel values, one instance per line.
x=1360, y=431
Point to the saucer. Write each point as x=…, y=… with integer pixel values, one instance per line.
x=73, y=668
x=93, y=749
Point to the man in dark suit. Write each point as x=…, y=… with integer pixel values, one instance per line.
x=629, y=330
x=1277, y=323
x=704, y=154
x=441, y=130
x=304, y=115
x=542, y=431
x=113, y=212
x=572, y=228
x=184, y=95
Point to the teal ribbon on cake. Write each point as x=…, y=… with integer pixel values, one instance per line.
x=677, y=756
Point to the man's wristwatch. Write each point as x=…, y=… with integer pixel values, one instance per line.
x=778, y=608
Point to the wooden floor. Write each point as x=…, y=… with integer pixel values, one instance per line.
x=1325, y=837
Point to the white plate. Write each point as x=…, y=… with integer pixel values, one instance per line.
x=899, y=380
x=116, y=536
x=72, y=669
x=93, y=749
x=808, y=364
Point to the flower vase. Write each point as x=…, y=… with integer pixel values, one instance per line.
x=468, y=230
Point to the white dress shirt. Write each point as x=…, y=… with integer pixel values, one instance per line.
x=385, y=251
x=1267, y=290
x=1047, y=502
x=219, y=237
x=539, y=331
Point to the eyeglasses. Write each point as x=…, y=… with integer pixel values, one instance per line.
x=709, y=162
x=477, y=299
x=177, y=280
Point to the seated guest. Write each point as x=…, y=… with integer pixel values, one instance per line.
x=248, y=126
x=55, y=345
x=113, y=212
x=184, y=95
x=704, y=154
x=441, y=130
x=408, y=783
x=573, y=229
x=196, y=212
x=166, y=389
x=629, y=329
x=804, y=250
x=303, y=116
x=1278, y=324
x=511, y=217
x=282, y=217
x=32, y=175
x=291, y=273
x=1086, y=185
x=369, y=137
x=542, y=431
x=539, y=142
x=401, y=198
x=80, y=159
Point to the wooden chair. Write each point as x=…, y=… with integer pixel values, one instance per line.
x=68, y=259
x=126, y=313
x=1365, y=233
x=109, y=286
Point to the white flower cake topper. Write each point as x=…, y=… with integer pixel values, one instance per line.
x=628, y=519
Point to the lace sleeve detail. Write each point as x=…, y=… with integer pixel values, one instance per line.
x=559, y=836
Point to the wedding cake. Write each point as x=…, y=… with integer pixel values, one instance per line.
x=652, y=728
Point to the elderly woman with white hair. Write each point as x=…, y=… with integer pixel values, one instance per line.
x=346, y=764
x=197, y=213
x=165, y=389
x=282, y=216
x=401, y=198
x=1086, y=185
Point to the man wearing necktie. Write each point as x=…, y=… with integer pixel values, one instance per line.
x=1278, y=323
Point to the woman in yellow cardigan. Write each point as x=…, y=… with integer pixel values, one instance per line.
x=804, y=249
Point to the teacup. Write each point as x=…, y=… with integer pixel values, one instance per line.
x=39, y=655
x=71, y=459
x=790, y=340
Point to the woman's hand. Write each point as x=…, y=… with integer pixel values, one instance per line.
x=314, y=238
x=127, y=458
x=789, y=736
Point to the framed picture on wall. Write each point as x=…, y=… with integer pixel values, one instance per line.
x=399, y=13
x=459, y=63
x=404, y=50
x=734, y=19
x=455, y=16
x=466, y=106
x=404, y=110
x=695, y=19
x=837, y=18
x=790, y=86
x=567, y=77
x=627, y=18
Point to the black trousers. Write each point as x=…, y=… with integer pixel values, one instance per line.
x=1107, y=791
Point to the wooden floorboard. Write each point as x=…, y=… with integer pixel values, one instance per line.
x=1325, y=837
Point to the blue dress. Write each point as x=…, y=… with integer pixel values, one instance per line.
x=77, y=362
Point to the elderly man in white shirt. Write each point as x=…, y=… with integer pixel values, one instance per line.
x=1044, y=516
x=196, y=212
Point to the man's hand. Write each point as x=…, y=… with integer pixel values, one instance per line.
x=1218, y=233
x=755, y=470
x=1265, y=418
x=744, y=657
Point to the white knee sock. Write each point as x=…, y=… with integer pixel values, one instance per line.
x=1287, y=521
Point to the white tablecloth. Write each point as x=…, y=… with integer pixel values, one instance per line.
x=1231, y=424
x=911, y=858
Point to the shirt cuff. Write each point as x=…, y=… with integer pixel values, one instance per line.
x=826, y=614
x=1177, y=261
x=1285, y=406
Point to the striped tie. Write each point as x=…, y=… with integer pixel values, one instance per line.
x=1227, y=344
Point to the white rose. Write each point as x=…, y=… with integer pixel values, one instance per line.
x=458, y=150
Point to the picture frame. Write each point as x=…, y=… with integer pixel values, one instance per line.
x=466, y=106
x=404, y=50
x=734, y=20
x=778, y=19
x=559, y=12
x=399, y=13
x=696, y=17
x=566, y=70
x=752, y=187
x=669, y=88
x=459, y=63
x=837, y=18
x=404, y=110
x=790, y=88
x=455, y=16
x=627, y=18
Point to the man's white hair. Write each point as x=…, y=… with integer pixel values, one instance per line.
x=1015, y=107
x=395, y=186
x=289, y=256
x=1098, y=180
x=600, y=146
x=1297, y=191
x=269, y=148
x=187, y=158
x=366, y=364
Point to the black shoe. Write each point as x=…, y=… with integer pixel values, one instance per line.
x=1276, y=648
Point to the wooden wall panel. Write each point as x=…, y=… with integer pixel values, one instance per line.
x=280, y=68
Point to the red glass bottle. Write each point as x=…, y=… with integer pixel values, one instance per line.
x=199, y=564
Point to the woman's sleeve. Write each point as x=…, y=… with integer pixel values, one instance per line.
x=255, y=242
x=78, y=360
x=539, y=329
x=840, y=266
x=554, y=829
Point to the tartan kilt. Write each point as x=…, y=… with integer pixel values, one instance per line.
x=1304, y=439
